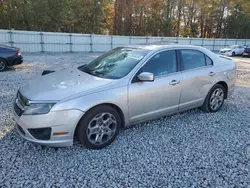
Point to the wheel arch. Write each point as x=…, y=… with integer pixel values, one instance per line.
x=224, y=84
x=117, y=108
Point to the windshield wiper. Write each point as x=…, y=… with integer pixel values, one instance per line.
x=92, y=72
x=99, y=73
x=88, y=71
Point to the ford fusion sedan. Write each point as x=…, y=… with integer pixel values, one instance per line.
x=124, y=86
x=9, y=56
x=232, y=50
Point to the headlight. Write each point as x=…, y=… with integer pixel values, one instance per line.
x=37, y=109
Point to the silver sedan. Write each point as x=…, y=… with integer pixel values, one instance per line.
x=124, y=86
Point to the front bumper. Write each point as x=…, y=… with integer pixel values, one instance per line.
x=60, y=121
x=226, y=53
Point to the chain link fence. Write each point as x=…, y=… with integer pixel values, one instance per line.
x=30, y=41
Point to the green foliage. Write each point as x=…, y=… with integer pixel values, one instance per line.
x=238, y=23
x=187, y=18
x=86, y=16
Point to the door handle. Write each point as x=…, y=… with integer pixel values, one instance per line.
x=211, y=74
x=174, y=82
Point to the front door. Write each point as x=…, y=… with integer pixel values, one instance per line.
x=148, y=100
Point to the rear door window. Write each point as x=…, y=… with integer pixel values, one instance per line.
x=192, y=59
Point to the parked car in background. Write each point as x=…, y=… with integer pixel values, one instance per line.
x=9, y=56
x=232, y=50
x=124, y=86
x=246, y=52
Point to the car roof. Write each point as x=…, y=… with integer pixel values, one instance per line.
x=156, y=47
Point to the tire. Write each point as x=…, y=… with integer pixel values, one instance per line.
x=208, y=103
x=233, y=54
x=102, y=134
x=3, y=65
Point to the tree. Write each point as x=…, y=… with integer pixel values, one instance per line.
x=188, y=18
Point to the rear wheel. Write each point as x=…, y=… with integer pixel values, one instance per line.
x=3, y=65
x=99, y=127
x=214, y=99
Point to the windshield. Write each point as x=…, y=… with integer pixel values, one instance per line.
x=114, y=64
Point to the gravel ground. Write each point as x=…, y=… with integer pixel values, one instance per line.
x=190, y=149
x=243, y=70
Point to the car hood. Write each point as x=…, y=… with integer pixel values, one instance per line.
x=226, y=49
x=59, y=85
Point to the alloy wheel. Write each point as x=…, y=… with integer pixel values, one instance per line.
x=101, y=128
x=216, y=99
x=2, y=65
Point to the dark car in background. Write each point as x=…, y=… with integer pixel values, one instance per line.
x=246, y=52
x=9, y=56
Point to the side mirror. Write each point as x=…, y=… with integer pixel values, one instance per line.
x=146, y=77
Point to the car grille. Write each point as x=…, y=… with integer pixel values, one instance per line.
x=18, y=111
x=247, y=51
x=23, y=101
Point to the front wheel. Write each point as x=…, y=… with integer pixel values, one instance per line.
x=233, y=54
x=214, y=99
x=99, y=127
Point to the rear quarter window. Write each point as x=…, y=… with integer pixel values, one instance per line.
x=208, y=61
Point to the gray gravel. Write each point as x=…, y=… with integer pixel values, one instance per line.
x=190, y=149
x=243, y=70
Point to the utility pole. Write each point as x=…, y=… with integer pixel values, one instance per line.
x=96, y=16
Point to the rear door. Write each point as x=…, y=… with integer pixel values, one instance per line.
x=198, y=77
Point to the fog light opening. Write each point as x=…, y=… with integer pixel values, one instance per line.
x=41, y=133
